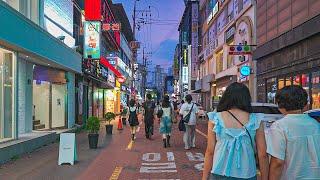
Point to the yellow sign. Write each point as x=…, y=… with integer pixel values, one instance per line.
x=185, y=57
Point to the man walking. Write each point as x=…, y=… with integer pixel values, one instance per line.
x=149, y=107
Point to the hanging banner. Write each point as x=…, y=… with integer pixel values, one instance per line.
x=92, y=40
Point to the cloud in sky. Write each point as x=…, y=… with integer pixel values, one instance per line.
x=159, y=39
x=164, y=54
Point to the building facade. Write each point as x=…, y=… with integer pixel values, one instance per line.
x=188, y=47
x=223, y=25
x=40, y=67
x=288, y=48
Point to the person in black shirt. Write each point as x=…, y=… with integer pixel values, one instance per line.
x=149, y=107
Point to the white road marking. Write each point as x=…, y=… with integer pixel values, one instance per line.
x=195, y=157
x=157, y=171
x=158, y=164
x=151, y=157
x=170, y=156
x=199, y=167
x=151, y=166
x=158, y=167
x=201, y=133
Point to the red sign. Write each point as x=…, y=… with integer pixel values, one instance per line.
x=111, y=26
x=121, y=79
x=239, y=53
x=92, y=10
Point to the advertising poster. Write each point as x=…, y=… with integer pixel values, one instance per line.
x=92, y=40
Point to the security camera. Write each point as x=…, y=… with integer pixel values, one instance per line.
x=61, y=38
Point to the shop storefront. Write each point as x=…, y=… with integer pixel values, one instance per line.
x=294, y=64
x=310, y=81
x=49, y=98
x=7, y=94
x=222, y=84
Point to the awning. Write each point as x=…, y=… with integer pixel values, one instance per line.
x=106, y=63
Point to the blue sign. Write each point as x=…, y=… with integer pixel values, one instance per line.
x=245, y=70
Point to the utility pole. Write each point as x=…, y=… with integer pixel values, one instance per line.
x=134, y=48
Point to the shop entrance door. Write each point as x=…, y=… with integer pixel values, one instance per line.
x=49, y=105
x=58, y=106
x=41, y=105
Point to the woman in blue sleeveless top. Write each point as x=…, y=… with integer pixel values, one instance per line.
x=233, y=135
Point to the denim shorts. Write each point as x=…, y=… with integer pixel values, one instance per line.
x=219, y=177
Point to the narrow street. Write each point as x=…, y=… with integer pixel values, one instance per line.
x=116, y=158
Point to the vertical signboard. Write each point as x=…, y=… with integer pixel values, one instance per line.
x=185, y=57
x=194, y=40
x=92, y=10
x=92, y=40
x=185, y=75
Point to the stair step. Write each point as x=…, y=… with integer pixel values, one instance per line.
x=38, y=126
x=36, y=122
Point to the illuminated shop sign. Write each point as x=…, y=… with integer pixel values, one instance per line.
x=92, y=40
x=111, y=26
x=240, y=50
x=245, y=70
x=185, y=62
x=213, y=13
x=185, y=75
x=92, y=10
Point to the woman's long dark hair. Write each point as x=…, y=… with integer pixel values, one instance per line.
x=132, y=102
x=237, y=95
x=166, y=101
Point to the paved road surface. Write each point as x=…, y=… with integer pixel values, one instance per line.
x=116, y=158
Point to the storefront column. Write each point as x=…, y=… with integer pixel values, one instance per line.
x=70, y=99
x=25, y=99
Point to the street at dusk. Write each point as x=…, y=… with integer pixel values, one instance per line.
x=159, y=89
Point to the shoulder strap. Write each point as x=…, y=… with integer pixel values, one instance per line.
x=243, y=127
x=191, y=108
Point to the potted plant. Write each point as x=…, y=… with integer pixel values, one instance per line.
x=109, y=116
x=93, y=127
x=124, y=115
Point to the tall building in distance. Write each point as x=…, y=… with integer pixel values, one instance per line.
x=288, y=48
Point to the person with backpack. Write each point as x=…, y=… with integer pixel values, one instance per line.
x=189, y=113
x=133, y=118
x=294, y=141
x=166, y=115
x=234, y=132
x=149, y=113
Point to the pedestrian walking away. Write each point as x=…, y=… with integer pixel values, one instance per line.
x=234, y=134
x=133, y=119
x=166, y=115
x=293, y=142
x=149, y=113
x=189, y=112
